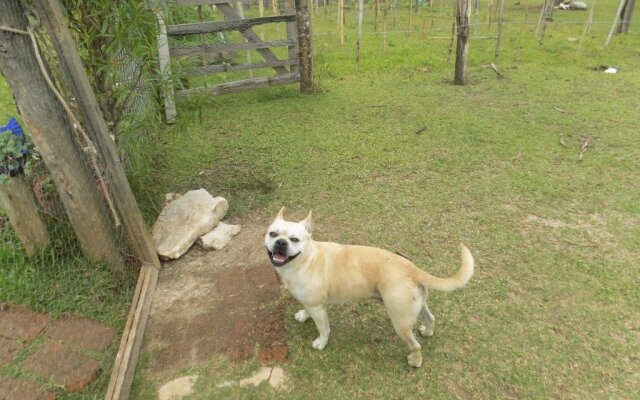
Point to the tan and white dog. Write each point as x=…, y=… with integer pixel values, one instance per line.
x=321, y=273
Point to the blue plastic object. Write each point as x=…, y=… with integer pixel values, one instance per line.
x=14, y=128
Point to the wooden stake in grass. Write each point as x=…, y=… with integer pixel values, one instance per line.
x=475, y=22
x=625, y=16
x=547, y=16
x=359, y=43
x=463, y=15
x=303, y=23
x=376, y=12
x=499, y=36
x=615, y=22
x=341, y=21
x=587, y=26
x=410, y=16
x=16, y=199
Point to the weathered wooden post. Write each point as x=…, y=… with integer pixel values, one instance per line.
x=51, y=15
x=305, y=53
x=625, y=16
x=16, y=199
x=463, y=16
x=53, y=134
x=499, y=34
x=359, y=42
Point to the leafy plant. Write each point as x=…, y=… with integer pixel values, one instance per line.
x=14, y=150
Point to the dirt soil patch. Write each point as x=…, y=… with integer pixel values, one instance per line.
x=209, y=303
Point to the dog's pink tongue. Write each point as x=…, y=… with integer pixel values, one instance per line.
x=277, y=257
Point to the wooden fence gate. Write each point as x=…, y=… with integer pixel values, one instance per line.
x=296, y=18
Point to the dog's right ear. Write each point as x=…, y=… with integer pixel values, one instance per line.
x=280, y=215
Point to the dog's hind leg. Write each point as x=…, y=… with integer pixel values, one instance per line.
x=426, y=328
x=403, y=310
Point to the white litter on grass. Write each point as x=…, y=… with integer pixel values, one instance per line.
x=611, y=70
x=177, y=388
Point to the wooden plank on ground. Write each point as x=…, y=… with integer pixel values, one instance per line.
x=213, y=69
x=187, y=51
x=226, y=25
x=247, y=84
x=125, y=364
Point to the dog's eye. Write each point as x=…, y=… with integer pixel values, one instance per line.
x=273, y=234
x=295, y=239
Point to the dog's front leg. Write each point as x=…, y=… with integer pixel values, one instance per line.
x=320, y=317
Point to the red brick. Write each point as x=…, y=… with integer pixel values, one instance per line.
x=17, y=322
x=8, y=350
x=81, y=332
x=71, y=370
x=13, y=389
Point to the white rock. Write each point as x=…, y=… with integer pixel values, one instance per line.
x=219, y=237
x=262, y=375
x=184, y=220
x=277, y=378
x=177, y=388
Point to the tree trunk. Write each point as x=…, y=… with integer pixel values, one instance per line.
x=16, y=199
x=463, y=16
x=305, y=53
x=52, y=133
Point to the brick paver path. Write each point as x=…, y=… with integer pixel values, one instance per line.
x=48, y=353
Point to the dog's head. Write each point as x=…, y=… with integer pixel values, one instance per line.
x=286, y=240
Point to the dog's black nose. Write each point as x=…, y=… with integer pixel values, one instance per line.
x=281, y=243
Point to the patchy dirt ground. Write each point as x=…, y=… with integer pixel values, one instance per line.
x=216, y=302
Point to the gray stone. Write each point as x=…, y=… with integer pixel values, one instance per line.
x=219, y=236
x=184, y=220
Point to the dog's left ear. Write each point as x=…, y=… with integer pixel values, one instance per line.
x=308, y=223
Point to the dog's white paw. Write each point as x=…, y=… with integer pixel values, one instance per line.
x=302, y=315
x=415, y=360
x=319, y=343
x=425, y=331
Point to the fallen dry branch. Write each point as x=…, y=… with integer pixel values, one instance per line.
x=583, y=147
x=563, y=111
x=495, y=68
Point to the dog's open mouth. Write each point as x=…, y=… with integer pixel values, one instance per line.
x=280, y=259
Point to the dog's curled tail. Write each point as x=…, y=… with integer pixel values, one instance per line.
x=456, y=281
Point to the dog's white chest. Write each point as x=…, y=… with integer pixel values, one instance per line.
x=304, y=287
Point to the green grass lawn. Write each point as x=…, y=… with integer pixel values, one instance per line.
x=398, y=157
